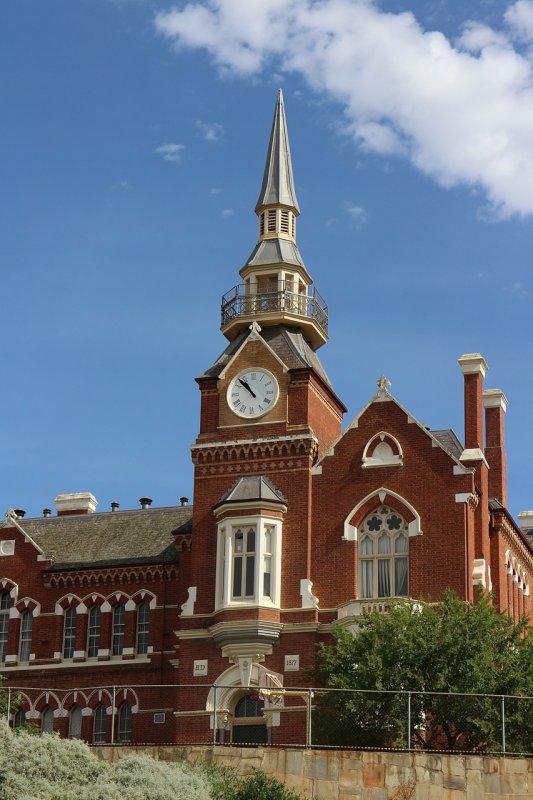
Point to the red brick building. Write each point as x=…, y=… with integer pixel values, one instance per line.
x=296, y=525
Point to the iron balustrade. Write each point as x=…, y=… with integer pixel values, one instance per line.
x=240, y=302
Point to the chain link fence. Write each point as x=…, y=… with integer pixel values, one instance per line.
x=315, y=717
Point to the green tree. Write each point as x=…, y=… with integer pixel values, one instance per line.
x=436, y=652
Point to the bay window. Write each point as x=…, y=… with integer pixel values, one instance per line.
x=249, y=562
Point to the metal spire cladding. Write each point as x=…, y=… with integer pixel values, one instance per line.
x=278, y=183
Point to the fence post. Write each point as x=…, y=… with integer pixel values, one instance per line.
x=408, y=720
x=8, y=704
x=214, y=714
x=309, y=735
x=503, y=723
x=113, y=712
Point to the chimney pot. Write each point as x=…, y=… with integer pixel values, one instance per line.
x=115, y=506
x=47, y=512
x=145, y=502
x=184, y=501
x=20, y=513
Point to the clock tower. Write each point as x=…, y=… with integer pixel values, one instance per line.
x=268, y=412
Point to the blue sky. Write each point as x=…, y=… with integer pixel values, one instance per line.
x=133, y=139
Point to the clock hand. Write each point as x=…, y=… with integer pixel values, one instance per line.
x=246, y=386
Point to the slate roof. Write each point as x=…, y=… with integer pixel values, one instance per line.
x=289, y=344
x=110, y=538
x=278, y=182
x=256, y=487
x=275, y=251
x=449, y=441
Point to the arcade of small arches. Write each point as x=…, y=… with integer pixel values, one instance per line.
x=98, y=717
x=124, y=576
x=261, y=450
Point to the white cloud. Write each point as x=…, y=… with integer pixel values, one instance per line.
x=211, y=131
x=214, y=190
x=228, y=212
x=518, y=290
x=357, y=214
x=170, y=152
x=519, y=17
x=462, y=113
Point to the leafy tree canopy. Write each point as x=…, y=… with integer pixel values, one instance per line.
x=448, y=647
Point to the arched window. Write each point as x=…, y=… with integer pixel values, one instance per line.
x=5, y=605
x=383, y=555
x=69, y=633
x=74, y=722
x=143, y=627
x=249, y=706
x=47, y=720
x=19, y=718
x=26, y=627
x=99, y=724
x=93, y=631
x=124, y=723
x=117, y=633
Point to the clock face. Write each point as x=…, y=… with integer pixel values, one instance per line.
x=252, y=393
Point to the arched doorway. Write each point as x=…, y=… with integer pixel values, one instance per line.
x=249, y=724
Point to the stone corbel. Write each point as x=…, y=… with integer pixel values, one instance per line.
x=187, y=609
x=308, y=598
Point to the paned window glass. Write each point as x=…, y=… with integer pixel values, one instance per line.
x=143, y=627
x=69, y=638
x=117, y=636
x=124, y=723
x=19, y=718
x=243, y=563
x=5, y=605
x=74, y=722
x=93, y=632
x=47, y=720
x=383, y=555
x=26, y=628
x=99, y=724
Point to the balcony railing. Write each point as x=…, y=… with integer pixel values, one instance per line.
x=239, y=302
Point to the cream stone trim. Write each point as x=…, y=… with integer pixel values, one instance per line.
x=253, y=319
x=259, y=440
x=495, y=398
x=473, y=454
x=413, y=528
x=473, y=364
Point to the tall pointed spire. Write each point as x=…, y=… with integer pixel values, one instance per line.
x=278, y=183
x=277, y=289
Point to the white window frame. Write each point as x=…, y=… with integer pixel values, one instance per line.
x=225, y=560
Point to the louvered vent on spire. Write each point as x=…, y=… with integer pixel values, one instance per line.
x=278, y=183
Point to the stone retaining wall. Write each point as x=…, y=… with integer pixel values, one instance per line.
x=342, y=775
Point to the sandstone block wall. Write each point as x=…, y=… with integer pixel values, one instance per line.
x=349, y=775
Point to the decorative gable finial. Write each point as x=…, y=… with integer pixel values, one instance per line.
x=255, y=327
x=383, y=385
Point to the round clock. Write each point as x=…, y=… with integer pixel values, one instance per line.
x=252, y=393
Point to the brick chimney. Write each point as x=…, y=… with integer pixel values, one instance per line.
x=474, y=368
x=495, y=404
x=75, y=503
